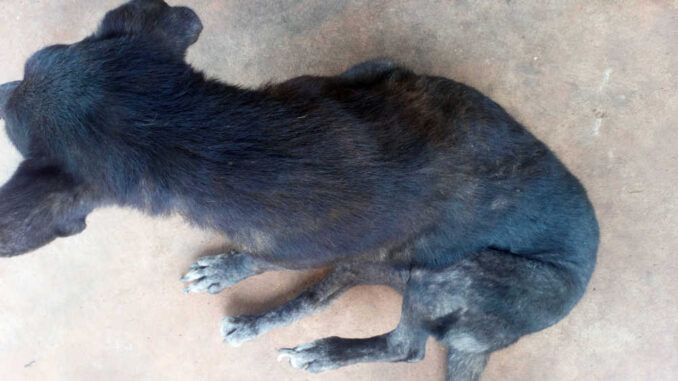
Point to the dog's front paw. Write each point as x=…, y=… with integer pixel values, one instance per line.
x=239, y=329
x=313, y=357
x=214, y=273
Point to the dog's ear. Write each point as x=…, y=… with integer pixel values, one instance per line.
x=181, y=27
x=38, y=204
x=177, y=27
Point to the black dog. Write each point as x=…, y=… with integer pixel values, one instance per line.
x=416, y=182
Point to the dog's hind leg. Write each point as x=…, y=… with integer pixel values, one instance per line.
x=214, y=273
x=406, y=343
x=401, y=344
x=475, y=306
x=489, y=300
x=239, y=329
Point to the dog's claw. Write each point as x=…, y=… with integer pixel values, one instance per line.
x=195, y=274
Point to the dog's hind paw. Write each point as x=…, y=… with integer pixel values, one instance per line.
x=214, y=273
x=239, y=329
x=313, y=357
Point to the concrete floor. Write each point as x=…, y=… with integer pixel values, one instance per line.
x=596, y=80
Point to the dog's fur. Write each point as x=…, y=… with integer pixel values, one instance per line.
x=412, y=181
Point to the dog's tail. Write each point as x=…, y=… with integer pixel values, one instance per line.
x=465, y=366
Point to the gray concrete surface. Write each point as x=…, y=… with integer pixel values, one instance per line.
x=596, y=80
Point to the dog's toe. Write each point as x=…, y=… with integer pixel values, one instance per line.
x=238, y=329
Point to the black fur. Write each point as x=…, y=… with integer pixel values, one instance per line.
x=376, y=165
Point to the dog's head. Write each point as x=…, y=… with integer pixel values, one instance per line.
x=65, y=90
x=58, y=80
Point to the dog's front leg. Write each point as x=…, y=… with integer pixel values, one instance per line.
x=214, y=273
